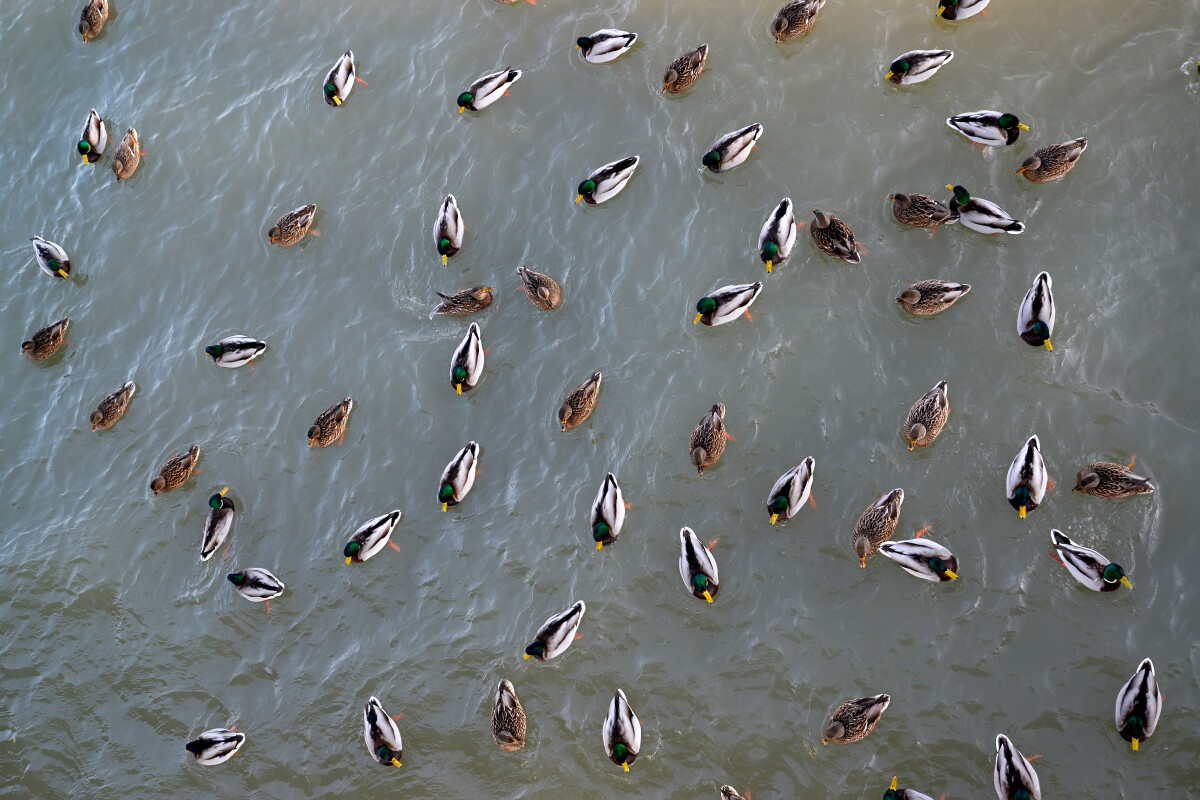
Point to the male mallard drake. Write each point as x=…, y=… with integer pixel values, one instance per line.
x=876, y=525
x=488, y=89
x=1087, y=566
x=340, y=80
x=955, y=10
x=921, y=211
x=1014, y=777
x=795, y=19
x=916, y=66
x=556, y=634
x=608, y=513
x=727, y=303
x=1139, y=704
x=731, y=149
x=605, y=45
x=622, y=732
x=683, y=71
x=508, y=719
x=128, y=156
x=1053, y=161
x=94, y=138
x=792, y=490
x=1027, y=479
x=923, y=558
x=371, y=537
x=930, y=297
x=235, y=351
x=92, y=18
x=697, y=566
x=175, y=471
x=730, y=793
x=988, y=128
x=1104, y=479
x=579, y=403
x=834, y=237
x=927, y=416
x=459, y=476
x=1035, y=318
x=894, y=793
x=466, y=365
x=854, y=719
x=330, y=424
x=608, y=181
x=464, y=302
x=256, y=585
x=112, y=408
x=216, y=746
x=708, y=438
x=51, y=257
x=542, y=290
x=982, y=215
x=292, y=226
x=217, y=524
x=381, y=735
x=46, y=341
x=778, y=234
x=448, y=228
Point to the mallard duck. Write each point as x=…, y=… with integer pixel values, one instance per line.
x=488, y=89
x=128, y=156
x=683, y=71
x=927, y=416
x=556, y=634
x=1105, y=479
x=112, y=408
x=579, y=403
x=795, y=19
x=982, y=215
x=175, y=471
x=459, y=476
x=217, y=524
x=1053, y=161
x=46, y=341
x=340, y=80
x=371, y=537
x=1014, y=777
x=1035, y=318
x=727, y=303
x=730, y=793
x=330, y=424
x=1087, y=566
x=1138, y=705
x=921, y=211
x=622, y=732
x=292, y=226
x=955, y=10
x=508, y=719
x=216, y=746
x=792, y=490
x=608, y=181
x=381, y=735
x=448, y=229
x=925, y=298
x=464, y=302
x=1027, y=479
x=51, y=258
x=834, y=237
x=778, y=234
x=94, y=138
x=92, y=18
x=697, y=566
x=894, y=793
x=731, y=149
x=605, y=45
x=608, y=513
x=542, y=290
x=916, y=66
x=235, y=351
x=466, y=365
x=988, y=128
x=708, y=438
x=923, y=558
x=854, y=719
x=256, y=585
x=876, y=525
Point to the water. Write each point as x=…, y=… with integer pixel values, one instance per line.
x=119, y=645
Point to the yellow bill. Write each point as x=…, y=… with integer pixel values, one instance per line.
x=888, y=77
x=527, y=656
x=1125, y=582
x=625, y=765
x=1048, y=345
x=347, y=559
x=1135, y=743
x=951, y=575
x=698, y=316
x=894, y=784
x=599, y=546
x=773, y=518
x=578, y=198
x=1022, y=126
x=768, y=266
x=444, y=506
x=1022, y=512
x=458, y=388
x=707, y=596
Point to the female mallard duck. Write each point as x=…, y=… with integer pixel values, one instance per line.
x=683, y=71
x=175, y=471
x=791, y=491
x=256, y=585
x=923, y=558
x=235, y=351
x=876, y=525
x=217, y=524
x=112, y=408
x=854, y=719
x=94, y=138
x=371, y=537
x=488, y=89
x=46, y=341
x=381, y=735
x=1014, y=777
x=92, y=18
x=921, y=211
x=51, y=258
x=778, y=234
x=466, y=365
x=508, y=719
x=292, y=226
x=1104, y=479
x=1035, y=318
x=930, y=297
x=605, y=45
x=340, y=80
x=467, y=301
x=988, y=128
x=1027, y=479
x=542, y=290
x=982, y=215
x=708, y=438
x=727, y=303
x=1087, y=566
x=1139, y=704
x=955, y=10
x=927, y=416
x=916, y=66
x=330, y=424
x=128, y=156
x=697, y=566
x=579, y=403
x=622, y=732
x=795, y=19
x=459, y=476
x=216, y=746
x=894, y=793
x=834, y=237
x=608, y=513
x=448, y=229
x=608, y=181
x=731, y=149
x=556, y=634
x=1053, y=161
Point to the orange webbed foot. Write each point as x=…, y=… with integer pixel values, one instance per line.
x=712, y=543
x=812, y=501
x=1057, y=559
x=922, y=532
x=315, y=232
x=748, y=315
x=393, y=545
x=1132, y=459
x=1050, y=484
x=729, y=436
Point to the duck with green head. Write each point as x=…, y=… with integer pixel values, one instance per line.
x=1088, y=566
x=217, y=524
x=556, y=634
x=608, y=513
x=1027, y=479
x=731, y=149
x=459, y=476
x=778, y=234
x=923, y=558
x=605, y=45
x=1013, y=776
x=895, y=793
x=727, y=303
x=235, y=351
x=607, y=182
x=1139, y=704
x=448, y=229
x=988, y=128
x=956, y=10
x=93, y=140
x=340, y=80
x=789, y=493
x=466, y=365
x=1035, y=318
x=488, y=89
x=257, y=585
x=917, y=66
x=697, y=566
x=371, y=537
x=381, y=735
x=622, y=732
x=981, y=215
x=51, y=258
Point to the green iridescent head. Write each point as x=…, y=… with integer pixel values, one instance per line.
x=779, y=504
x=1040, y=330
x=385, y=753
x=712, y=159
x=1113, y=573
x=330, y=90
x=536, y=649
x=214, y=350
x=900, y=66
x=352, y=549
x=443, y=246
x=601, y=531
x=458, y=375
x=237, y=578
x=620, y=751
x=961, y=195
x=700, y=582
x=585, y=42
x=85, y=147
x=770, y=252
x=215, y=500
x=465, y=99
x=937, y=565
x=1022, y=495
x=706, y=305
x=446, y=493
x=1008, y=121
x=587, y=187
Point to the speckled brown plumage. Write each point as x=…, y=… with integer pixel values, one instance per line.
x=112, y=408
x=854, y=719
x=508, y=719
x=467, y=301
x=579, y=403
x=708, y=438
x=46, y=341
x=876, y=525
x=292, y=226
x=795, y=19
x=1105, y=479
x=834, y=237
x=683, y=71
x=542, y=290
x=177, y=470
x=1053, y=161
x=926, y=298
x=128, y=156
x=92, y=18
x=330, y=425
x=927, y=417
